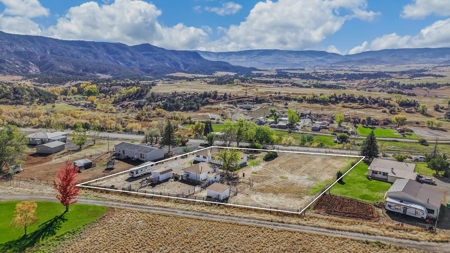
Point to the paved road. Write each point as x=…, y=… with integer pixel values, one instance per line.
x=430, y=246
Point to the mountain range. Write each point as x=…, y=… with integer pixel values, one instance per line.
x=34, y=55
x=23, y=54
x=284, y=59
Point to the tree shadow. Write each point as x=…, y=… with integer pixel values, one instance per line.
x=45, y=230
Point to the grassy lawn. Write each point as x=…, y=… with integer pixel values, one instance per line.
x=52, y=223
x=411, y=148
x=384, y=133
x=357, y=186
x=423, y=170
x=59, y=107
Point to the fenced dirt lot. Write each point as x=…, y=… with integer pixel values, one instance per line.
x=286, y=182
x=346, y=207
x=131, y=231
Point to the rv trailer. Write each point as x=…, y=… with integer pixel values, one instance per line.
x=407, y=208
x=142, y=169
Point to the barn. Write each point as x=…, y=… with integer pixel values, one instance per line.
x=50, y=147
x=162, y=174
x=218, y=191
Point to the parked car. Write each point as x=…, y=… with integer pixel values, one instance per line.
x=418, y=158
x=425, y=180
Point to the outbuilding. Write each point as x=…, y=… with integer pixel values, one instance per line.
x=162, y=174
x=51, y=147
x=83, y=164
x=44, y=137
x=406, y=194
x=218, y=191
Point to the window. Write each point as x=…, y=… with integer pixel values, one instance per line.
x=430, y=211
x=385, y=174
x=123, y=151
x=142, y=156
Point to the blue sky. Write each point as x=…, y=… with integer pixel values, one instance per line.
x=342, y=26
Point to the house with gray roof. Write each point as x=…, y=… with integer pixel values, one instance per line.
x=46, y=137
x=138, y=152
x=412, y=192
x=388, y=170
x=51, y=147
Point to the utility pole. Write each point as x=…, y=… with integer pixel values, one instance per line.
x=108, y=143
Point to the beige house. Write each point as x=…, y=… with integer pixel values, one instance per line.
x=387, y=170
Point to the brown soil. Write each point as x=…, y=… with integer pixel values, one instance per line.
x=131, y=231
x=35, y=159
x=340, y=206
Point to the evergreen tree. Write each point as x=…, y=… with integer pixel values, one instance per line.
x=168, y=137
x=208, y=128
x=369, y=148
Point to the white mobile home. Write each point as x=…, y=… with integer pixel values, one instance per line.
x=218, y=191
x=44, y=137
x=138, y=152
x=162, y=174
x=414, y=193
x=143, y=169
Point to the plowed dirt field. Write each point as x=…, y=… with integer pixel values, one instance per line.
x=340, y=206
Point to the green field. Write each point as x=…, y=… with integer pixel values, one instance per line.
x=411, y=148
x=423, y=169
x=52, y=223
x=384, y=133
x=357, y=186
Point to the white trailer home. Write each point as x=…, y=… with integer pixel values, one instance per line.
x=143, y=169
x=407, y=208
x=138, y=152
x=162, y=174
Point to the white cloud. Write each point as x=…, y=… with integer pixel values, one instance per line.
x=422, y=8
x=16, y=17
x=435, y=35
x=227, y=8
x=24, y=8
x=333, y=49
x=290, y=24
x=128, y=21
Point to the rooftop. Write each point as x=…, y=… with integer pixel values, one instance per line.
x=207, y=151
x=163, y=171
x=377, y=164
x=135, y=147
x=45, y=135
x=199, y=168
x=418, y=191
x=54, y=144
x=218, y=187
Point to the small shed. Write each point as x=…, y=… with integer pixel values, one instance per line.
x=162, y=174
x=83, y=164
x=218, y=191
x=50, y=147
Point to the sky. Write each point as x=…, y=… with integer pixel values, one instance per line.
x=339, y=26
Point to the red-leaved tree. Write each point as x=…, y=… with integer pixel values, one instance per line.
x=66, y=185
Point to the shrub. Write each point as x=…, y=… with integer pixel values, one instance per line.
x=423, y=142
x=270, y=156
x=400, y=157
x=256, y=146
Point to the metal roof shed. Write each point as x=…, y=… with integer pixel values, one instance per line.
x=51, y=147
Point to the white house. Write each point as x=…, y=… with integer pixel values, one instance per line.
x=218, y=191
x=406, y=194
x=207, y=156
x=44, y=137
x=162, y=174
x=199, y=172
x=387, y=170
x=138, y=152
x=213, y=177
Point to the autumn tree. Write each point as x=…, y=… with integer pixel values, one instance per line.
x=25, y=215
x=12, y=145
x=79, y=136
x=399, y=120
x=168, y=138
x=422, y=109
x=339, y=118
x=198, y=129
x=151, y=136
x=66, y=184
x=95, y=131
x=211, y=138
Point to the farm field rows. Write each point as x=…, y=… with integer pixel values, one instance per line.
x=131, y=231
x=346, y=207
